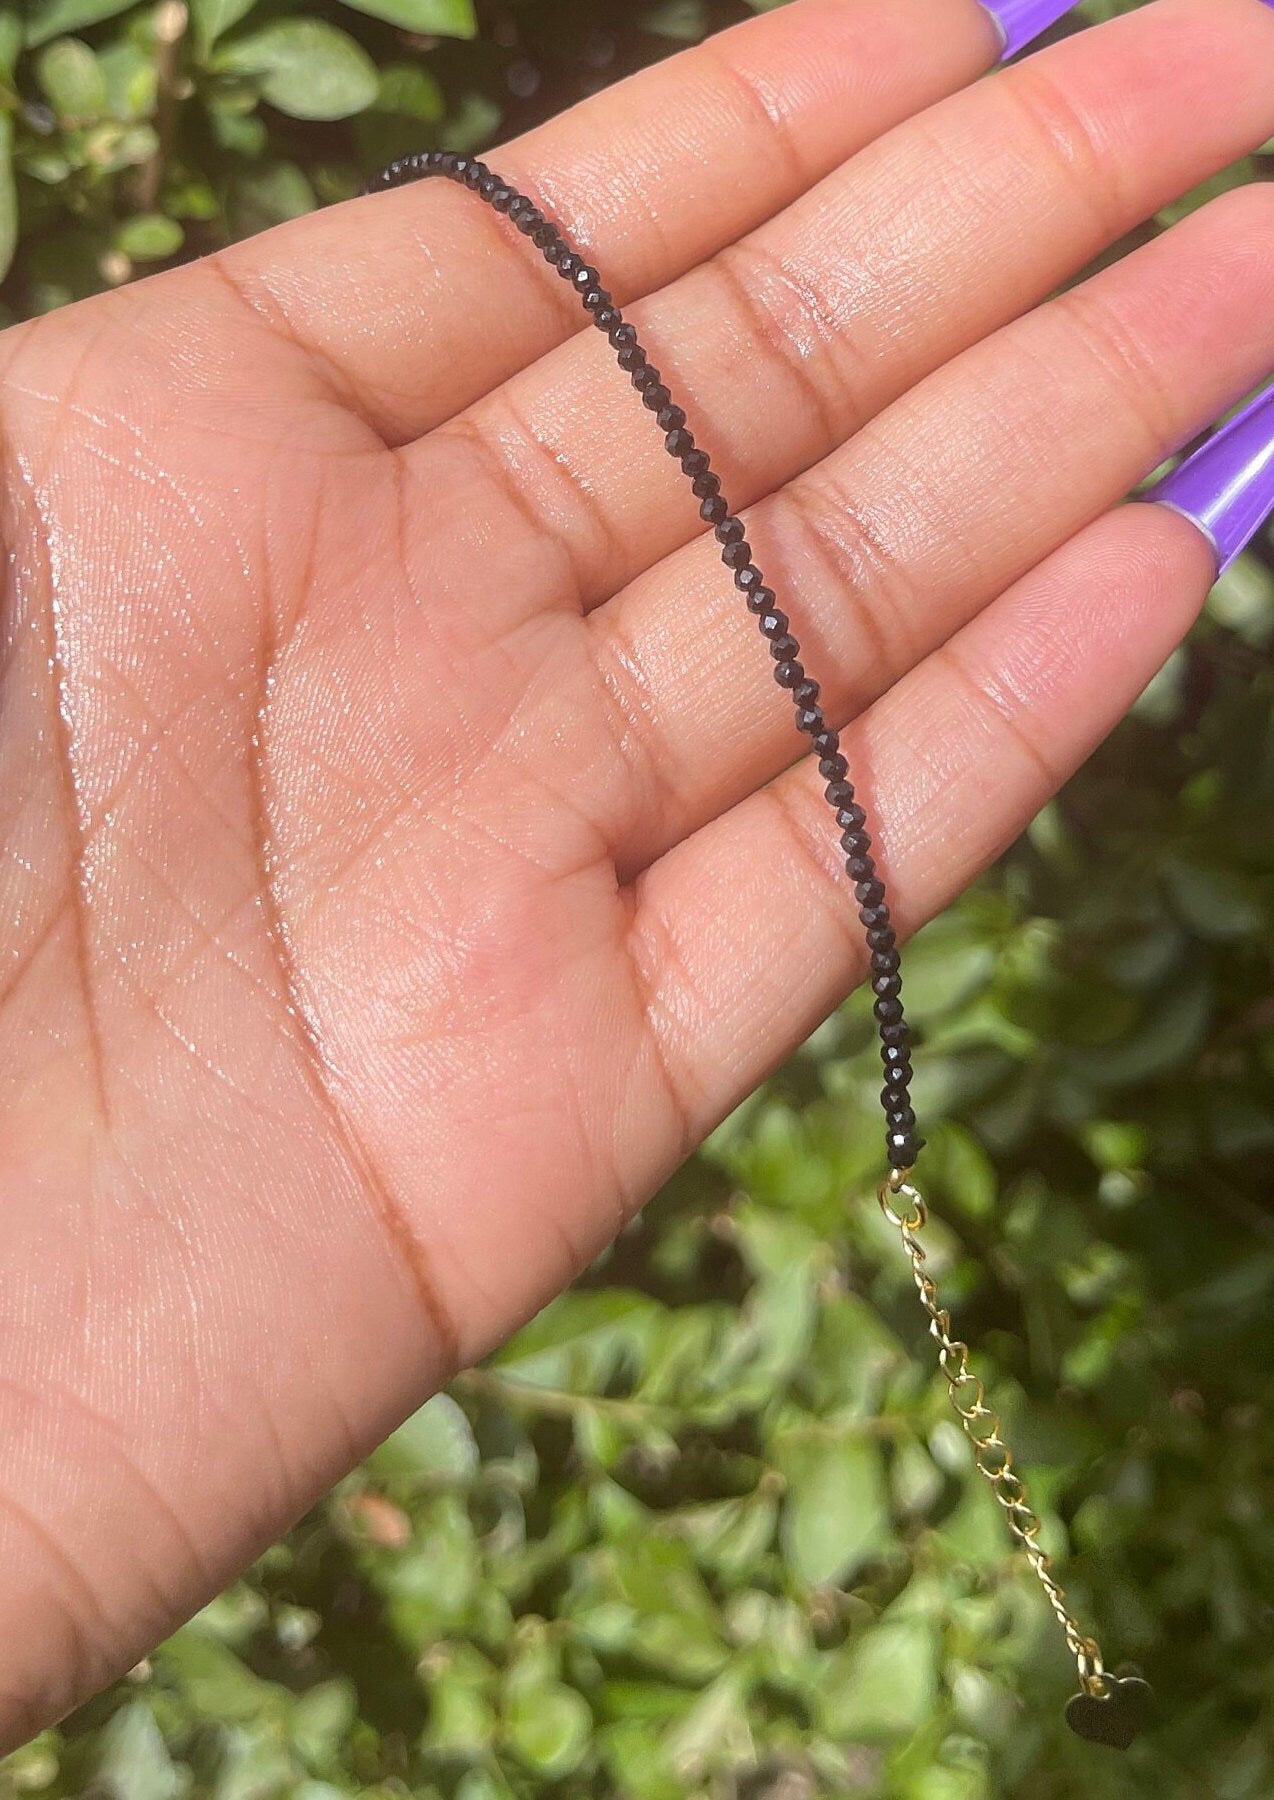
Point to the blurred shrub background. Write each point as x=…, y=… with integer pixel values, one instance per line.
x=706, y=1528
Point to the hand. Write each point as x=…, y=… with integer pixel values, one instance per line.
x=406, y=859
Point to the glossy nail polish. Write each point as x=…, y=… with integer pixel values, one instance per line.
x=1020, y=22
x=1227, y=487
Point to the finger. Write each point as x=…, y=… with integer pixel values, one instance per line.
x=746, y=935
x=415, y=302
x=786, y=343
x=898, y=539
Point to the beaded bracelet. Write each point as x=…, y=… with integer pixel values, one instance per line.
x=1109, y=1708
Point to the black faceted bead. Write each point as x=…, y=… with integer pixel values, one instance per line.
x=748, y=579
x=833, y=767
x=623, y=335
x=788, y=674
x=773, y=624
x=851, y=816
x=901, y=1118
x=840, y=794
x=696, y=464
x=902, y=1148
x=855, y=843
x=871, y=893
x=809, y=719
x=827, y=743
x=807, y=693
x=596, y=300
x=714, y=508
x=632, y=357
x=887, y=985
x=678, y=442
x=585, y=277
x=672, y=418
x=529, y=222
x=760, y=600
x=487, y=185
x=450, y=163
x=476, y=174
x=706, y=485
x=886, y=962
x=655, y=398
x=519, y=205
x=568, y=263
x=737, y=556
x=503, y=199
x=731, y=530
x=646, y=378
x=859, y=866
x=783, y=647
x=893, y=1095
x=895, y=1034
x=874, y=915
x=882, y=940
x=606, y=318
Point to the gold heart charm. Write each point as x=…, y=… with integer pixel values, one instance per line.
x=1114, y=1718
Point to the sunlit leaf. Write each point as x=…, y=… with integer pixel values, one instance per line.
x=306, y=67
x=835, y=1514
x=435, y=18
x=47, y=19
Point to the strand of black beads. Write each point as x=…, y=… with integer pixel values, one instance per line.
x=903, y=1144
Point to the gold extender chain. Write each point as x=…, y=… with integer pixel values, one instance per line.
x=1108, y=1709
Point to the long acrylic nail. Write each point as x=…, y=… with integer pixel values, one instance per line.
x=1020, y=22
x=1227, y=487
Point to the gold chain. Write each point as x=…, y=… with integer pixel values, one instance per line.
x=981, y=1423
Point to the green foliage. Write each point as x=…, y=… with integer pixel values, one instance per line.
x=706, y=1527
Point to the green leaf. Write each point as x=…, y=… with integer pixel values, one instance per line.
x=410, y=92
x=10, y=41
x=133, y=1761
x=835, y=1515
x=429, y=18
x=944, y=966
x=321, y=1719
x=1214, y=902
x=884, y=1685
x=461, y=1702
x=582, y=1341
x=549, y=1729
x=267, y=194
x=130, y=79
x=47, y=19
x=547, y=1725
x=71, y=80
x=1243, y=601
x=436, y=1442
x=471, y=121
x=149, y=237
x=305, y=67
x=211, y=18
x=684, y=21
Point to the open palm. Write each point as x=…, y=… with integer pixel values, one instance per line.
x=406, y=859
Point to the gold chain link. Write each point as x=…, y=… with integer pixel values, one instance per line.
x=981, y=1424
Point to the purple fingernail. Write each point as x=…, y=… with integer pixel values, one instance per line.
x=1227, y=487
x=1020, y=22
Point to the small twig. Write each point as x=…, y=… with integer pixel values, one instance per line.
x=171, y=20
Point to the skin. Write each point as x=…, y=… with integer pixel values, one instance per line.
x=406, y=858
